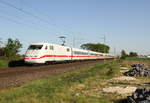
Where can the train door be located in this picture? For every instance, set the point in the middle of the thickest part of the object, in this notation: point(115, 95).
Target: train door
point(51, 53)
point(71, 54)
point(45, 53)
point(67, 53)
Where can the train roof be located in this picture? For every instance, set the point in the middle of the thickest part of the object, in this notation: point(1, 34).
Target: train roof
point(39, 43)
point(44, 43)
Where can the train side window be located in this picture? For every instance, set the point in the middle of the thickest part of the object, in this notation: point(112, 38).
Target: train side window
point(51, 48)
point(46, 48)
point(68, 49)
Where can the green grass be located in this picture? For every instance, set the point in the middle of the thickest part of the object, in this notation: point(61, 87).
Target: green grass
point(138, 59)
point(3, 63)
point(73, 87)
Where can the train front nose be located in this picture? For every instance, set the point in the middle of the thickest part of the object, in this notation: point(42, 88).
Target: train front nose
point(33, 59)
point(31, 56)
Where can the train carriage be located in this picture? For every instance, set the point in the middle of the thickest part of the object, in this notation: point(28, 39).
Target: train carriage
point(47, 52)
point(79, 54)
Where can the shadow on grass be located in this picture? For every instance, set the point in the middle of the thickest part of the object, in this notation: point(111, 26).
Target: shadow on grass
point(16, 63)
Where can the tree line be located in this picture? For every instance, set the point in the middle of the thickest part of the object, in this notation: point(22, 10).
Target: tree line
point(131, 54)
point(97, 47)
point(10, 49)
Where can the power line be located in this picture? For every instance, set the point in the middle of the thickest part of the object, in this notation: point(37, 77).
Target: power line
point(31, 14)
point(35, 9)
point(26, 23)
point(26, 12)
point(20, 23)
point(35, 16)
point(29, 6)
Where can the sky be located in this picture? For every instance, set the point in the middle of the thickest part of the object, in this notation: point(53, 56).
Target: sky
point(125, 23)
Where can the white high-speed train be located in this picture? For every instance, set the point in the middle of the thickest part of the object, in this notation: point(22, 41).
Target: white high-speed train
point(46, 52)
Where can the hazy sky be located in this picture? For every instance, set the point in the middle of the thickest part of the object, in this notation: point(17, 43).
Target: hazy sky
point(126, 23)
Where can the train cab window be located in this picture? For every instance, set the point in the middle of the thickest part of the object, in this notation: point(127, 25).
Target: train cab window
point(68, 49)
point(35, 47)
point(46, 48)
point(51, 48)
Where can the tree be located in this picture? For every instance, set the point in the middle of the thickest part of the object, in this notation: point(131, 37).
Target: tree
point(1, 42)
point(133, 54)
point(123, 54)
point(96, 47)
point(2, 49)
point(12, 48)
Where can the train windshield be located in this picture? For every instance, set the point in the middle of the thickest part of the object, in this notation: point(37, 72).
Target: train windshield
point(35, 47)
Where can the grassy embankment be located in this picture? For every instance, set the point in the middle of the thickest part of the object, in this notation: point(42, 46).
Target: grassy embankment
point(80, 86)
point(16, 61)
point(138, 59)
point(128, 61)
point(3, 62)
point(141, 81)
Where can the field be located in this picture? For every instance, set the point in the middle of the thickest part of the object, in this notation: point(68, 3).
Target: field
point(75, 87)
point(3, 63)
point(138, 59)
point(81, 86)
point(128, 61)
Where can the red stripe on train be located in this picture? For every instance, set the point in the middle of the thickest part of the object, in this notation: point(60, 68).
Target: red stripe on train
point(60, 56)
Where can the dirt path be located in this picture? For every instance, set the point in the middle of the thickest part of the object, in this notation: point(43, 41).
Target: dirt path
point(13, 77)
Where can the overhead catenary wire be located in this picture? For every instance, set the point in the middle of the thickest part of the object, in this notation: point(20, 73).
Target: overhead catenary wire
point(27, 13)
point(35, 16)
point(47, 16)
point(38, 11)
point(51, 19)
point(20, 23)
point(31, 23)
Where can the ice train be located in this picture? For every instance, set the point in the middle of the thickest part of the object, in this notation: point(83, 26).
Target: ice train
point(38, 53)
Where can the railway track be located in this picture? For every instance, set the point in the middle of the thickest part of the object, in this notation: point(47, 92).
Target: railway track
point(17, 76)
